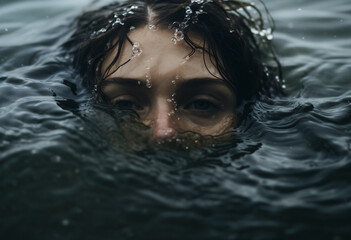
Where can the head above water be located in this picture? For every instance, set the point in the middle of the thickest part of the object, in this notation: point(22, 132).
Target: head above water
point(180, 65)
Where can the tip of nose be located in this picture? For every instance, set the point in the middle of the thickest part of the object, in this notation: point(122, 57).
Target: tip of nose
point(164, 133)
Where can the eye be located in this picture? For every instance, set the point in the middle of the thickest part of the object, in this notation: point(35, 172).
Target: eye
point(127, 103)
point(202, 105)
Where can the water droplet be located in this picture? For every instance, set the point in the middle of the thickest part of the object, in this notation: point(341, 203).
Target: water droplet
point(65, 222)
point(136, 50)
point(187, 58)
point(269, 37)
point(148, 83)
point(174, 40)
point(131, 28)
point(173, 82)
point(57, 159)
point(188, 10)
point(152, 27)
point(118, 21)
point(171, 113)
point(139, 82)
point(283, 86)
point(169, 100)
point(167, 132)
point(102, 30)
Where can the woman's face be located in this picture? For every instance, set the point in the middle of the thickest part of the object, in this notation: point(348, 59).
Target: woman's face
point(171, 93)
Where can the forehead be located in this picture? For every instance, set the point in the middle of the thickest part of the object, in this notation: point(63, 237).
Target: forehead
point(161, 54)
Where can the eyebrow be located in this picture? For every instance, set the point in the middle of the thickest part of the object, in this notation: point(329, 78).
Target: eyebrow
point(188, 83)
point(122, 81)
point(196, 82)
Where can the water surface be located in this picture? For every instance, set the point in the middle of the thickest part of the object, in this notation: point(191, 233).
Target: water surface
point(66, 172)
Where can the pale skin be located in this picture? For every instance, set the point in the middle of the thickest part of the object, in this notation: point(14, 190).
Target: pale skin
point(170, 92)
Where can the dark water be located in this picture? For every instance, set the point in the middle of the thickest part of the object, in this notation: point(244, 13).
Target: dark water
point(68, 170)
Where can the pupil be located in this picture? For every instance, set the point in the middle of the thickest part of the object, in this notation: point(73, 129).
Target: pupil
point(124, 104)
point(202, 104)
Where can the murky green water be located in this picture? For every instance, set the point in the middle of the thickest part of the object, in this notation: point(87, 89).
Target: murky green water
point(285, 173)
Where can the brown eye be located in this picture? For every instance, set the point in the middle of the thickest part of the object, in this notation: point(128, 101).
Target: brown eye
point(124, 104)
point(201, 105)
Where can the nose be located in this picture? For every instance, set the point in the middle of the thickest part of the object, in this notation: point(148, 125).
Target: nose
point(163, 125)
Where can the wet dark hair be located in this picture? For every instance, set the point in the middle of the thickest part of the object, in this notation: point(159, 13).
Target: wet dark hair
point(233, 33)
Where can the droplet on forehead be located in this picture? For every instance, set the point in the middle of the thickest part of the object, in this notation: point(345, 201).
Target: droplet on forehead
point(147, 75)
point(148, 83)
point(174, 40)
point(178, 36)
point(152, 27)
point(171, 113)
point(136, 50)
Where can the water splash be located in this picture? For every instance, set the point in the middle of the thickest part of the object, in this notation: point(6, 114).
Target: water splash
point(148, 81)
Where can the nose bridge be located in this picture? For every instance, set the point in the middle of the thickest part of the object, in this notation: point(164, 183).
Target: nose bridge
point(163, 126)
